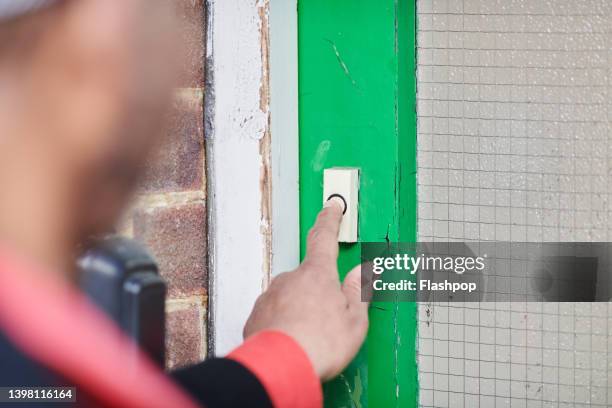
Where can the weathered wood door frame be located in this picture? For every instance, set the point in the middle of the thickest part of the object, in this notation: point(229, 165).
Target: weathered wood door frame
point(357, 107)
point(252, 156)
point(354, 62)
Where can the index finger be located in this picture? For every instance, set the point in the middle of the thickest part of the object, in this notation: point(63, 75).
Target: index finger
point(322, 242)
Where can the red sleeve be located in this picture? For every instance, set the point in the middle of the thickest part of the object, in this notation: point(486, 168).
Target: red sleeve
point(283, 368)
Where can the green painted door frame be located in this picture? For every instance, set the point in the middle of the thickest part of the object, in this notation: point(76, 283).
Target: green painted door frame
point(357, 107)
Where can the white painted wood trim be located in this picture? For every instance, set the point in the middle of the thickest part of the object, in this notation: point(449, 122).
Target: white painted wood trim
point(285, 135)
point(237, 131)
point(252, 156)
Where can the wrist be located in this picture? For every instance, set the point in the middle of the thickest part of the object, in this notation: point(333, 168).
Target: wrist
point(283, 367)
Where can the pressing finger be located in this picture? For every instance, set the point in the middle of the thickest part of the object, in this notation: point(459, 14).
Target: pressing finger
point(322, 243)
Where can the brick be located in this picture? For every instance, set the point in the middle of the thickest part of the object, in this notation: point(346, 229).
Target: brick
point(183, 336)
point(192, 35)
point(176, 236)
point(178, 164)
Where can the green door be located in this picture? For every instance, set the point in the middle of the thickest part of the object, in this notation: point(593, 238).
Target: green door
point(357, 85)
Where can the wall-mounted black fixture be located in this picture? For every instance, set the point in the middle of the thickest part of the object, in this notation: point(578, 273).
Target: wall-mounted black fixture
point(122, 278)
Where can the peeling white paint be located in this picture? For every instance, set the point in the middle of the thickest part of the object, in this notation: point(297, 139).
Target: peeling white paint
point(235, 125)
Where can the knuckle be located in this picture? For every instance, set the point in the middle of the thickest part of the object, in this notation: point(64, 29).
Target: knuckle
point(313, 234)
point(353, 285)
point(323, 212)
point(315, 264)
point(312, 264)
point(307, 266)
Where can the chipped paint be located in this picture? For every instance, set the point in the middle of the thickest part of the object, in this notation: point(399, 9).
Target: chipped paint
point(371, 126)
point(237, 132)
point(341, 62)
point(265, 180)
point(318, 161)
point(357, 393)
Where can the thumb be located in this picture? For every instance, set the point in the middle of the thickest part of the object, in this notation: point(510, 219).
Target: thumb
point(351, 287)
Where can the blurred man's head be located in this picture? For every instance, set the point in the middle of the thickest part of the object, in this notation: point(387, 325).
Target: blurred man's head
point(83, 88)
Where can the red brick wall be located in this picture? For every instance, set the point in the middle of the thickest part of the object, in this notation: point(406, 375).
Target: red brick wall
point(169, 215)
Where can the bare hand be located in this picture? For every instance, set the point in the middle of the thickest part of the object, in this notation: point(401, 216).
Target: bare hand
point(327, 318)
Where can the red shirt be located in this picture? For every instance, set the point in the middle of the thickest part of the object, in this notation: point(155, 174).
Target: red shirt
point(55, 325)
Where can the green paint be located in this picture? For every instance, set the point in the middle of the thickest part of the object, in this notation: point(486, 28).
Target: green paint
point(357, 108)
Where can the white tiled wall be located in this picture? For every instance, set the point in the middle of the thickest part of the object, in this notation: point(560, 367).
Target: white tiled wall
point(514, 110)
